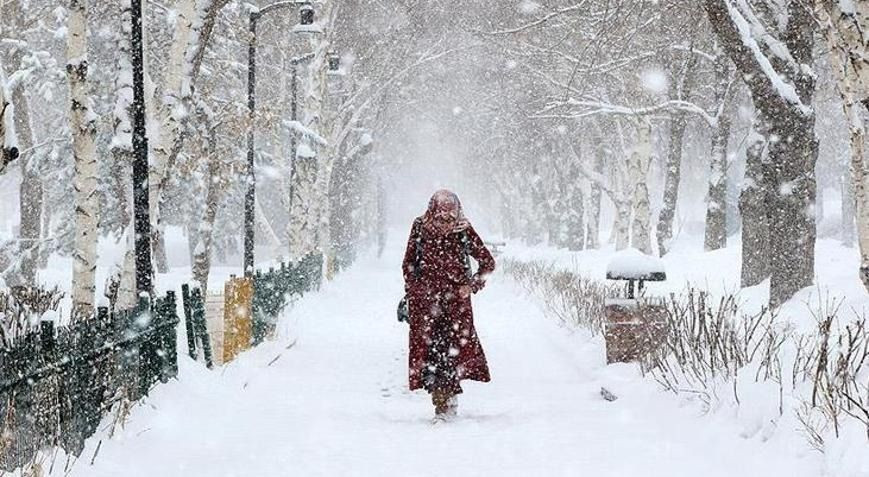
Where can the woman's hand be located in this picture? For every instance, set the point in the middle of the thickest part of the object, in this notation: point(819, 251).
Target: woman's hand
point(465, 291)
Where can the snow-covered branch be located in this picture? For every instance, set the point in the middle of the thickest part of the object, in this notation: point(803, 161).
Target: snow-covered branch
point(778, 84)
point(540, 21)
point(588, 108)
point(300, 129)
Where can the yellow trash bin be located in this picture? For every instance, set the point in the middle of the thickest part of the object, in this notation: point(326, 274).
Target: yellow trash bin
point(237, 317)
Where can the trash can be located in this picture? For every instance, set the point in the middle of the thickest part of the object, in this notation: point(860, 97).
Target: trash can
point(635, 324)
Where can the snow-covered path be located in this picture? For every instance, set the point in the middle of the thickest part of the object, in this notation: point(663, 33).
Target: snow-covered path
point(336, 403)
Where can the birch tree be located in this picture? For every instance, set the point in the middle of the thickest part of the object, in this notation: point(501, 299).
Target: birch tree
point(716, 199)
point(845, 26)
point(681, 85)
point(641, 159)
point(83, 127)
point(8, 149)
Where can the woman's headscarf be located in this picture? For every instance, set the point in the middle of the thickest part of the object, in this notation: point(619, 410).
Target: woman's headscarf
point(444, 214)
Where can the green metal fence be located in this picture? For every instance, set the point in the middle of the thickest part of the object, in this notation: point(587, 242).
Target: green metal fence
point(274, 289)
point(56, 382)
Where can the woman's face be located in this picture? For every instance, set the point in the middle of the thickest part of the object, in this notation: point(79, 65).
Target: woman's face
point(444, 220)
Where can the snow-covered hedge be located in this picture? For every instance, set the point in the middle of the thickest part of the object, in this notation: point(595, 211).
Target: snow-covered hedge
point(753, 363)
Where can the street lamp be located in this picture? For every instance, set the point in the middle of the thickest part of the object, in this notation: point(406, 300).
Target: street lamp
point(141, 204)
point(334, 61)
point(306, 19)
point(306, 14)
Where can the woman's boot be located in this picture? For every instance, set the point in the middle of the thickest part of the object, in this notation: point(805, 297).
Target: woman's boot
point(440, 399)
point(452, 407)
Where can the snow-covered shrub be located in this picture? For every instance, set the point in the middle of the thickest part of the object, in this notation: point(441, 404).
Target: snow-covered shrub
point(571, 298)
point(751, 362)
point(709, 344)
point(835, 362)
point(21, 308)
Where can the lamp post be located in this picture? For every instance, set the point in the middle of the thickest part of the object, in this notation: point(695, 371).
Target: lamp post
point(306, 18)
point(294, 117)
point(141, 206)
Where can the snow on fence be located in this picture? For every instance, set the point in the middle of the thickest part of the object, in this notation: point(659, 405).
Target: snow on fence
point(57, 382)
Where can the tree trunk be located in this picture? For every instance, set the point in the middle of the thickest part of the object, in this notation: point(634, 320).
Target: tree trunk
point(673, 168)
point(31, 189)
point(122, 140)
point(716, 208)
point(172, 114)
point(861, 190)
point(8, 149)
point(793, 147)
point(575, 226)
point(85, 182)
point(202, 251)
point(755, 228)
point(852, 78)
point(716, 197)
point(311, 175)
point(621, 226)
point(848, 231)
point(593, 239)
point(789, 206)
point(640, 160)
point(673, 176)
point(31, 209)
point(302, 224)
point(187, 62)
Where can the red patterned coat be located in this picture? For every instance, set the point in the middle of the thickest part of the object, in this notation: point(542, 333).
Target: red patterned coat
point(433, 293)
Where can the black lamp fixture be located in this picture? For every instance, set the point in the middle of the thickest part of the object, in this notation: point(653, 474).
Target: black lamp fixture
point(334, 60)
point(306, 14)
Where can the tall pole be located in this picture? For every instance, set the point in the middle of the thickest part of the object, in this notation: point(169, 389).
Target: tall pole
point(250, 197)
point(293, 117)
point(141, 219)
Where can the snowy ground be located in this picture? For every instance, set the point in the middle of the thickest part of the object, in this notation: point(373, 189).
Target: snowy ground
point(329, 397)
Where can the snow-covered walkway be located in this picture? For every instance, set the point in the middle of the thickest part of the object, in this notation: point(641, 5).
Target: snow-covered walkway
point(329, 397)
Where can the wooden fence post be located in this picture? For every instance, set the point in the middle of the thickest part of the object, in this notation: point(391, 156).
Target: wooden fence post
point(48, 416)
point(169, 353)
point(188, 321)
point(142, 345)
point(198, 302)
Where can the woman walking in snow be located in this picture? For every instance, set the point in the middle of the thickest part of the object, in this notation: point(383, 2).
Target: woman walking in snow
point(444, 348)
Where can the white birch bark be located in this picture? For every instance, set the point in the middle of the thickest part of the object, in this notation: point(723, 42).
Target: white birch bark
point(640, 160)
point(83, 127)
point(593, 236)
point(194, 25)
point(622, 224)
point(617, 191)
point(7, 138)
point(307, 210)
point(847, 37)
point(172, 113)
point(715, 236)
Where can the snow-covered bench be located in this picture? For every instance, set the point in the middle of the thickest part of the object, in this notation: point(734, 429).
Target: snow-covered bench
point(494, 247)
point(634, 324)
point(635, 267)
